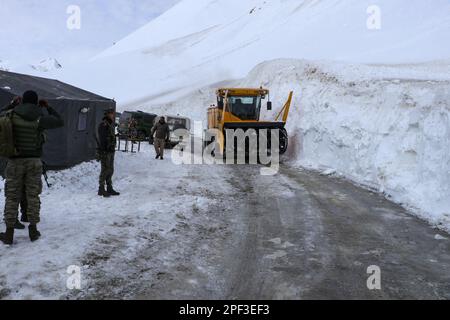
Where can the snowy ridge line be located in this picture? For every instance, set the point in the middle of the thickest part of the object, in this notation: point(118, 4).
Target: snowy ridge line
point(192, 45)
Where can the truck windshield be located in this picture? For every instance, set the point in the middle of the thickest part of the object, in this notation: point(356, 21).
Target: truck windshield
point(245, 108)
point(175, 124)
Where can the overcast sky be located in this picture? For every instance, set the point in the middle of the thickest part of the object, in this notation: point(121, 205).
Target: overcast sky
point(31, 30)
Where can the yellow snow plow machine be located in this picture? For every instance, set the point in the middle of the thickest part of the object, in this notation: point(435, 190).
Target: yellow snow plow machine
point(239, 109)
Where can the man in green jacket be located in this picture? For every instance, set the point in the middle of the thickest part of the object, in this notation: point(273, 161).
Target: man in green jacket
point(25, 170)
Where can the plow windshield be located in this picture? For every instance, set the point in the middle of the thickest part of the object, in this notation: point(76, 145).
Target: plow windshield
point(245, 108)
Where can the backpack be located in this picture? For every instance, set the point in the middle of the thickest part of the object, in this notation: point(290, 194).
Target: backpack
point(7, 147)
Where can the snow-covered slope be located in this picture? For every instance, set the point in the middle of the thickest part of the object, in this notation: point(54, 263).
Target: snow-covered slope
point(201, 42)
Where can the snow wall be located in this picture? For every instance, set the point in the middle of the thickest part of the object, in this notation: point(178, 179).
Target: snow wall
point(387, 128)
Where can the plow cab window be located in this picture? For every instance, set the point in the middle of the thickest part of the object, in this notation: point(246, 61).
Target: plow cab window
point(220, 103)
point(245, 108)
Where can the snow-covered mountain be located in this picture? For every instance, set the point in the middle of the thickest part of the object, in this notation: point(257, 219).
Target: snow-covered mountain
point(201, 42)
point(44, 68)
point(47, 65)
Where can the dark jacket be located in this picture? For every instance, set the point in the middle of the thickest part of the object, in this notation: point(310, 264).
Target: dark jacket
point(29, 122)
point(107, 136)
point(161, 131)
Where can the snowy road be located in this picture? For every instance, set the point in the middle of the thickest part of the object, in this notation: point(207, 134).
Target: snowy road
point(223, 232)
point(304, 236)
point(318, 236)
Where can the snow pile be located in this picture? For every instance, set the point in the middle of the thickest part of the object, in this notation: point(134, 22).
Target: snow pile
point(202, 42)
point(381, 127)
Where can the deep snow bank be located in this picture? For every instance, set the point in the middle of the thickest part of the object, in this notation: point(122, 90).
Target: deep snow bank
point(383, 127)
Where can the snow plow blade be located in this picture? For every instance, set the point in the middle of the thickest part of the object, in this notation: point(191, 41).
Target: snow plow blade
point(240, 109)
point(262, 128)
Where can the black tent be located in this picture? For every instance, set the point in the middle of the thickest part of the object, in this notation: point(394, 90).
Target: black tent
point(81, 110)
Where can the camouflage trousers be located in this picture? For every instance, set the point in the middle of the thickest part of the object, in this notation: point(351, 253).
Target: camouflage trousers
point(160, 145)
point(107, 172)
point(23, 176)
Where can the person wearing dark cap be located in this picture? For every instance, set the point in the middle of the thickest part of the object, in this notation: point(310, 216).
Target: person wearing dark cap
point(106, 151)
point(24, 170)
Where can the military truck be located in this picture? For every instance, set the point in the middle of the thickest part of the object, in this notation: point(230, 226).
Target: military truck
point(136, 124)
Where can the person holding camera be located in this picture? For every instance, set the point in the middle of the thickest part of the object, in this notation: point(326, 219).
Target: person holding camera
point(24, 170)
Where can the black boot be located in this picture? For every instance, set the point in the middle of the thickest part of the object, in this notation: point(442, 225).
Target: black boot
point(102, 192)
point(24, 217)
point(112, 192)
point(157, 156)
point(33, 232)
point(7, 237)
point(19, 226)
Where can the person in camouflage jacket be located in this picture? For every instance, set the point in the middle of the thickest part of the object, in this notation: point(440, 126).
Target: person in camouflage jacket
point(106, 153)
point(29, 121)
point(23, 200)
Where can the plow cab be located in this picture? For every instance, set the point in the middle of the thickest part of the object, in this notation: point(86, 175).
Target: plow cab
point(238, 110)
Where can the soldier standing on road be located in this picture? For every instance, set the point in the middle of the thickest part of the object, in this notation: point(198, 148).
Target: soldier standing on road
point(161, 132)
point(24, 171)
point(132, 130)
point(107, 150)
